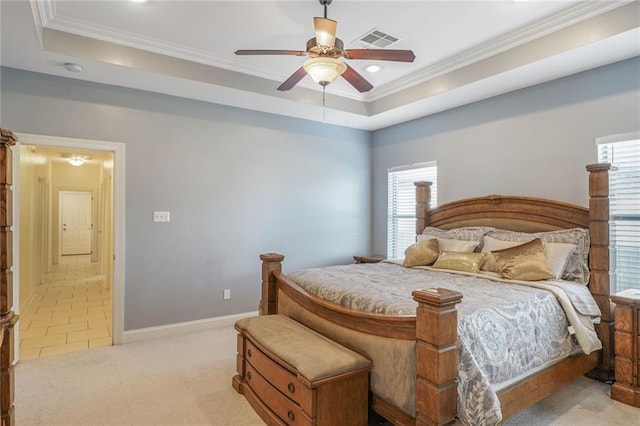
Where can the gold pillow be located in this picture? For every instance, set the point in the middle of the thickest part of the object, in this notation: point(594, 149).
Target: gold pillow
point(422, 253)
point(491, 244)
point(526, 262)
point(467, 262)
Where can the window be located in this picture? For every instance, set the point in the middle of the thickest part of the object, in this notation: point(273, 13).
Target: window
point(401, 206)
point(623, 152)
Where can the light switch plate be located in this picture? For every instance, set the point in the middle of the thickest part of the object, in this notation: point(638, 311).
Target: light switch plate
point(161, 217)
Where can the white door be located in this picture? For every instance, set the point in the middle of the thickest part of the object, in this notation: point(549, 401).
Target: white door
point(77, 228)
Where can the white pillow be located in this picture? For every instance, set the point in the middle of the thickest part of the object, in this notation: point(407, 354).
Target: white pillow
point(558, 256)
point(446, 244)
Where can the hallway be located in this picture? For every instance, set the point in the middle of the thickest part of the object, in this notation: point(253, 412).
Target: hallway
point(71, 311)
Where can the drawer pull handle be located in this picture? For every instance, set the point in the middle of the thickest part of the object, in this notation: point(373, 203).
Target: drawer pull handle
point(249, 353)
point(290, 415)
point(291, 388)
point(249, 375)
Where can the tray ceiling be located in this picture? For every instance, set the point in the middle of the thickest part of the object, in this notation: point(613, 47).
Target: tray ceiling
point(465, 50)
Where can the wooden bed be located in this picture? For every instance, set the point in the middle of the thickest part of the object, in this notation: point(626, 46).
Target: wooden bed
point(433, 328)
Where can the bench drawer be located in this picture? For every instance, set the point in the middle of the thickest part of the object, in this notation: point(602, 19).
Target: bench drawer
point(288, 411)
point(283, 380)
point(294, 376)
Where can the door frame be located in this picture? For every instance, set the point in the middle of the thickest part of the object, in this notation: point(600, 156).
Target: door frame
point(118, 150)
point(42, 209)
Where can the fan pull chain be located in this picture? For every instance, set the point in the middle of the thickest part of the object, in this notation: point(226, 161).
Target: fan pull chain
point(324, 103)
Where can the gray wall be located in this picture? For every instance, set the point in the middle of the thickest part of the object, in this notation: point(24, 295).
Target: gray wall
point(237, 183)
point(533, 142)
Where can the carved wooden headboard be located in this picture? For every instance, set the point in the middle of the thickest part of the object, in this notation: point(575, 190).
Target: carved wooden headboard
point(528, 214)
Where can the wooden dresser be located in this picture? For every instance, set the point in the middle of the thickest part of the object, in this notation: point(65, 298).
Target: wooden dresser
point(7, 318)
point(293, 376)
point(627, 347)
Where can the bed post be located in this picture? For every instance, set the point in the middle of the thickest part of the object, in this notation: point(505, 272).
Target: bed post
point(271, 262)
point(423, 198)
point(436, 355)
point(599, 282)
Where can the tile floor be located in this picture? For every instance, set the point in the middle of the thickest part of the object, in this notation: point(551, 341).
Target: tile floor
point(71, 311)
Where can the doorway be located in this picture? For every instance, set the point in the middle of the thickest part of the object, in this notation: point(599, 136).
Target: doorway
point(80, 238)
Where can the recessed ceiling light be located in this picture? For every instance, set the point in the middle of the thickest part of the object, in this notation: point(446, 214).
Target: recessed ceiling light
point(373, 68)
point(70, 66)
point(138, 1)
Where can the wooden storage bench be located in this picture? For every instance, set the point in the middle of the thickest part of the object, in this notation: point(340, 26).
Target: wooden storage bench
point(292, 375)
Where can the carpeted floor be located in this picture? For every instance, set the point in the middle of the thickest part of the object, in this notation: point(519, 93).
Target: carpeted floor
point(186, 380)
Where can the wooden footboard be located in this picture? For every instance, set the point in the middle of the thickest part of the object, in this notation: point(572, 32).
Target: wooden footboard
point(434, 327)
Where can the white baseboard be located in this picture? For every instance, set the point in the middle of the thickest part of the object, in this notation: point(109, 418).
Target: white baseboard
point(141, 334)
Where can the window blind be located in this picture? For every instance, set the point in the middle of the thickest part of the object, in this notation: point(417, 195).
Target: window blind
point(401, 205)
point(624, 210)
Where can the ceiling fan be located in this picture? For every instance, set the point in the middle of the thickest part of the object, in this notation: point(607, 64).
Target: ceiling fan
point(325, 51)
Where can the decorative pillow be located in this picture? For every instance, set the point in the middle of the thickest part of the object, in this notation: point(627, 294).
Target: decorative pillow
point(465, 233)
point(447, 244)
point(526, 262)
point(491, 244)
point(557, 254)
point(422, 253)
point(577, 267)
point(467, 262)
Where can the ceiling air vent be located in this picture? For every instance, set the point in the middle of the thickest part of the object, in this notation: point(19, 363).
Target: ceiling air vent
point(376, 38)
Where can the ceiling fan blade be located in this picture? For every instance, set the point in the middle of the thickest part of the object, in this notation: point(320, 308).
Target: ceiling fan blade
point(356, 80)
point(380, 54)
point(293, 80)
point(271, 52)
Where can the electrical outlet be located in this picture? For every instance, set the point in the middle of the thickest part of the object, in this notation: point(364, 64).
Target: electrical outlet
point(227, 294)
point(161, 216)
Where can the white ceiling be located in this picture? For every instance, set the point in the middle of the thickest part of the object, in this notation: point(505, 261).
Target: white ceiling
point(465, 50)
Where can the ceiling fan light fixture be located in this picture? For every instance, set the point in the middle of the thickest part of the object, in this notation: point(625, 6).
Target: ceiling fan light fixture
point(325, 31)
point(325, 50)
point(324, 70)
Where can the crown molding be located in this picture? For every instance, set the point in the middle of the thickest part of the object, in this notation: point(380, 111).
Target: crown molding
point(46, 9)
point(37, 14)
point(48, 18)
point(557, 22)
